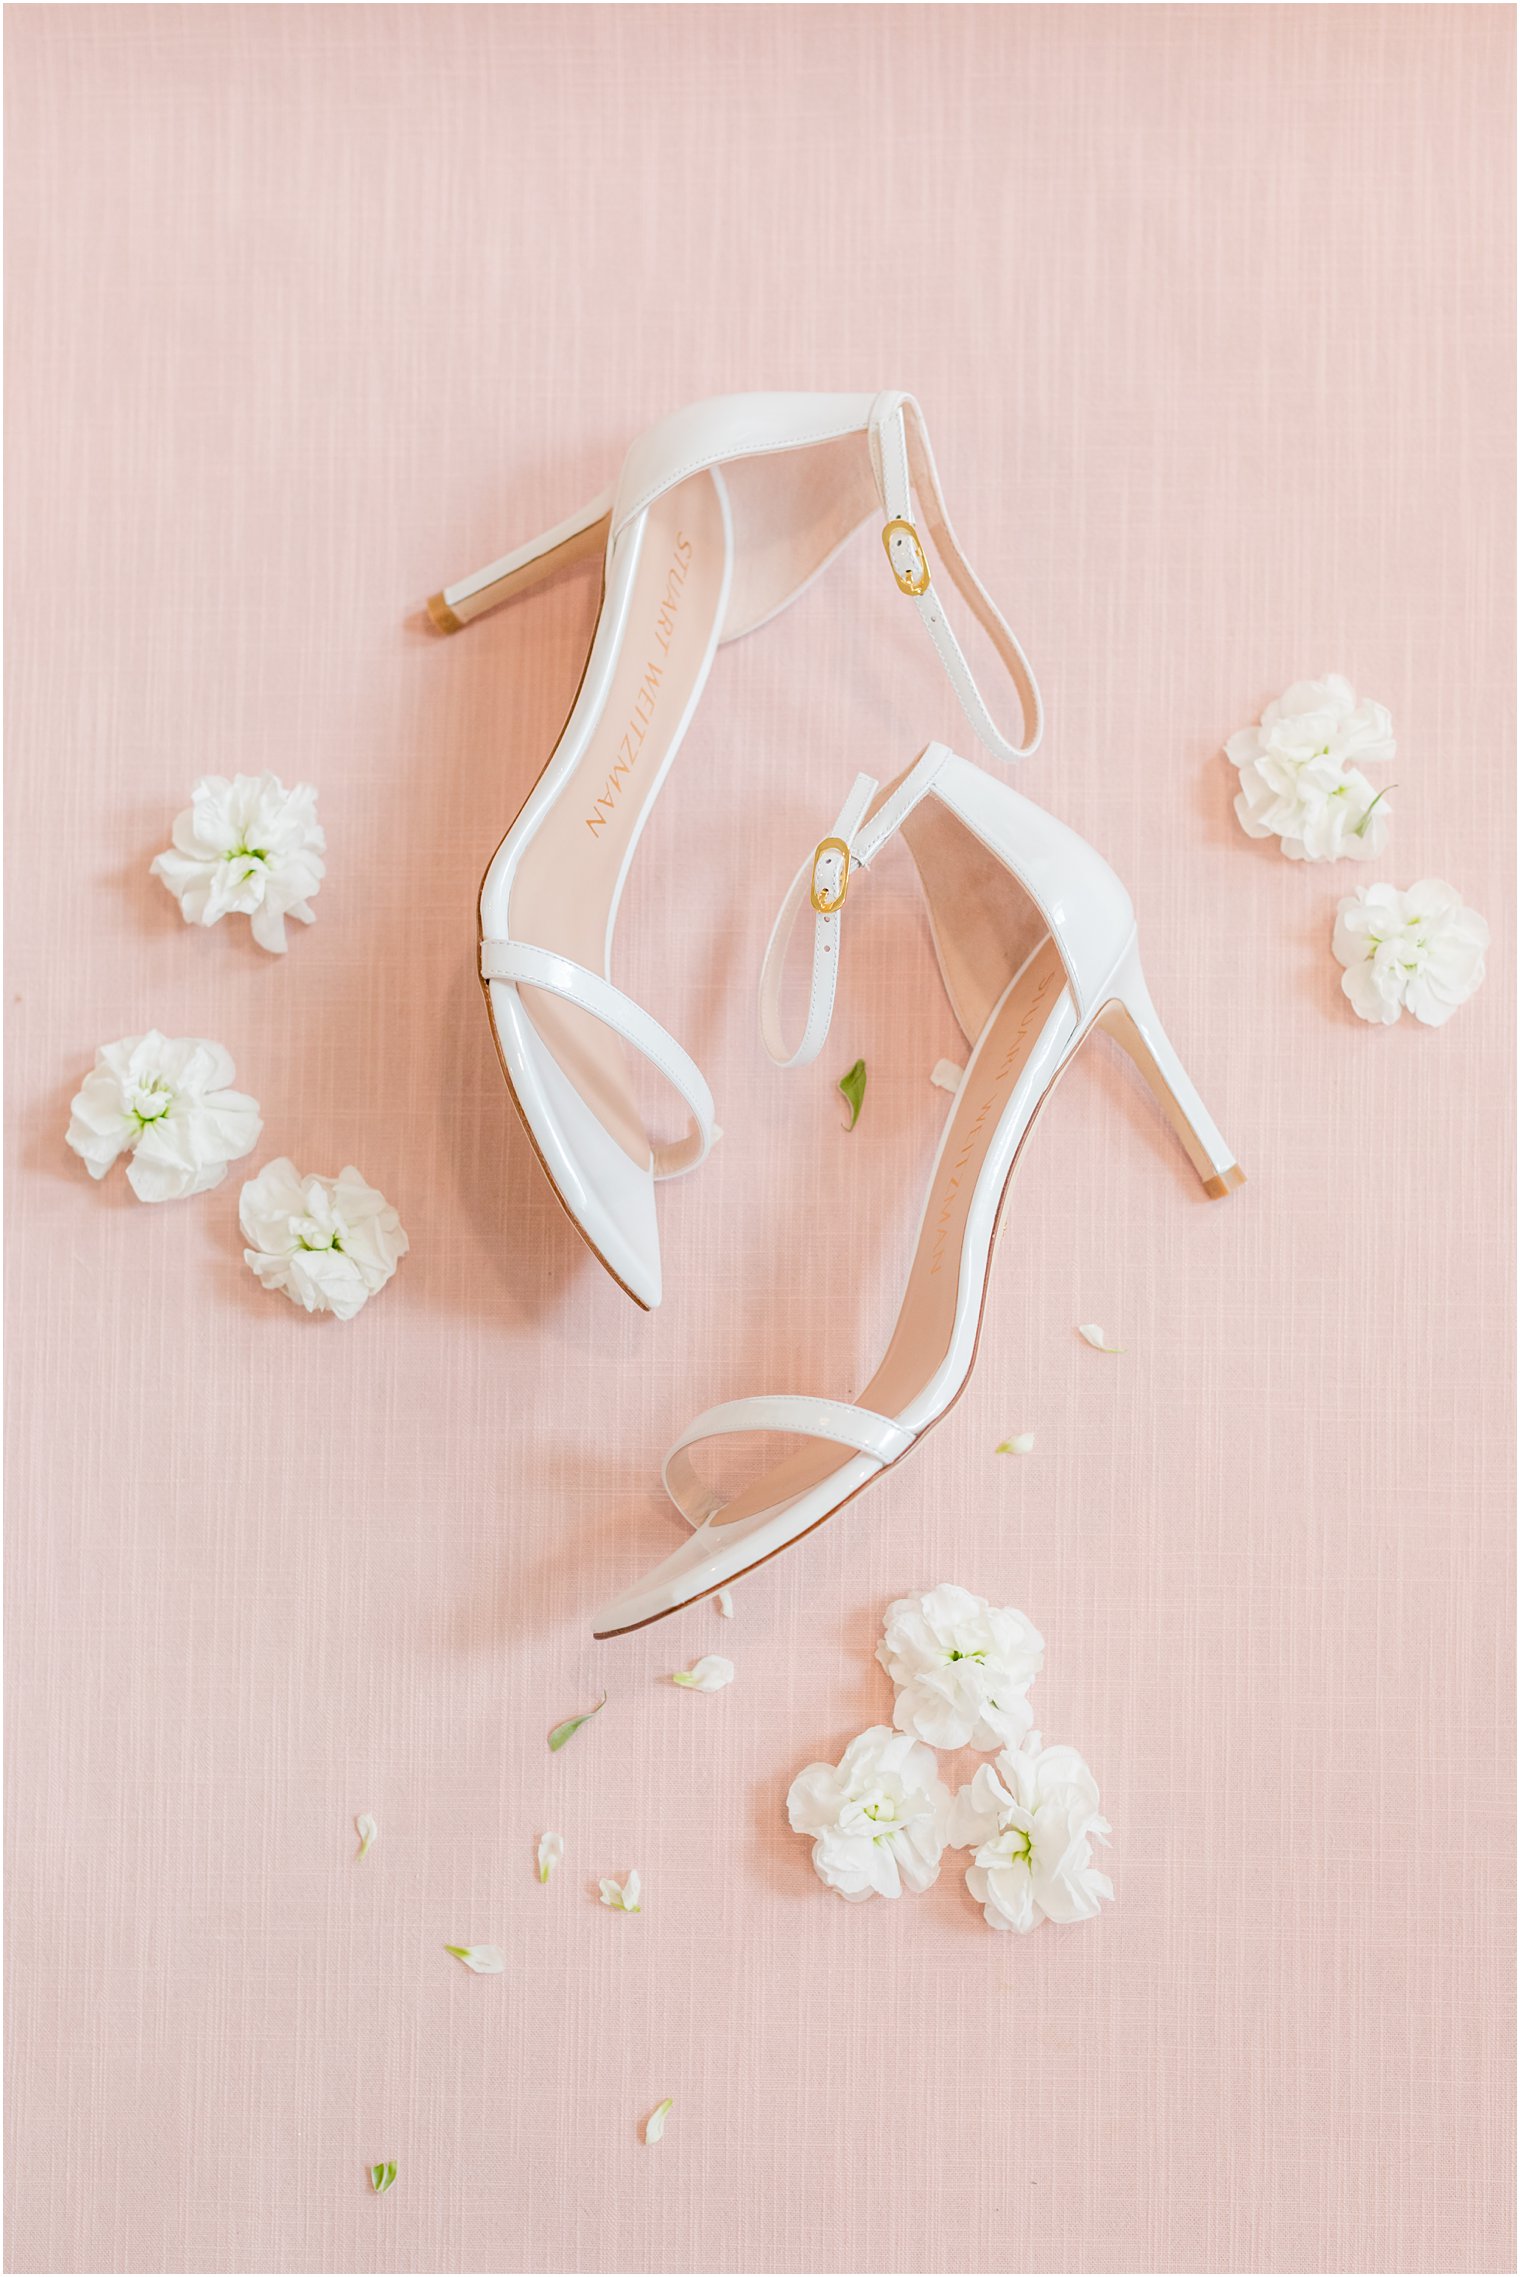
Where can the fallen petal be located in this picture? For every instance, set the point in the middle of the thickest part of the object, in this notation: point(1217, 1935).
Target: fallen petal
point(654, 2125)
point(381, 2177)
point(1021, 1444)
point(726, 1603)
point(485, 1960)
point(709, 1674)
point(367, 1830)
point(551, 1849)
point(947, 1075)
point(1092, 1334)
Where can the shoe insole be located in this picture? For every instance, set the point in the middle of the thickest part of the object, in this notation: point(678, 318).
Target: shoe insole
point(567, 882)
point(926, 1322)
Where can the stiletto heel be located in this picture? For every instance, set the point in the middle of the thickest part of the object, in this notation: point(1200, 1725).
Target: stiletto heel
point(578, 536)
point(720, 517)
point(1036, 943)
point(1131, 1019)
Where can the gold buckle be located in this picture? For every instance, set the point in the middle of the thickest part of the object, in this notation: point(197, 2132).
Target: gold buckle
point(825, 904)
point(916, 580)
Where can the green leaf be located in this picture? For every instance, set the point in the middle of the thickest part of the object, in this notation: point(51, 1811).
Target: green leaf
point(572, 1724)
point(381, 2177)
point(853, 1085)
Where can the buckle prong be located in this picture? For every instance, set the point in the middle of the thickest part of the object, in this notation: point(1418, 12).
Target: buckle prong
point(914, 580)
point(827, 904)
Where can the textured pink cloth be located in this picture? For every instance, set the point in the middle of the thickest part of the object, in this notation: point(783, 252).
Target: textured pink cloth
point(313, 309)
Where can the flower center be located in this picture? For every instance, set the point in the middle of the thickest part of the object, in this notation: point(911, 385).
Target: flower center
point(246, 854)
point(310, 1235)
point(151, 1101)
point(979, 1657)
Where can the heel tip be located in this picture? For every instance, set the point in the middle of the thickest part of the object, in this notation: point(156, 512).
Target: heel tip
point(1219, 1189)
point(444, 619)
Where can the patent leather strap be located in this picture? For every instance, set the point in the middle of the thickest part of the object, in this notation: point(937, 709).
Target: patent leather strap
point(858, 1428)
point(528, 967)
point(823, 882)
point(904, 467)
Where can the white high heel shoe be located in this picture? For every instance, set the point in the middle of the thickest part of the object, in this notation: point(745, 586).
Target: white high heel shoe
point(722, 514)
point(1036, 944)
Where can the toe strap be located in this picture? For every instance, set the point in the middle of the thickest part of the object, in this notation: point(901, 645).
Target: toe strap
point(520, 962)
point(859, 1428)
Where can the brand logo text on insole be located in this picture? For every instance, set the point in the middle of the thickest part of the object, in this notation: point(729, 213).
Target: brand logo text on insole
point(647, 696)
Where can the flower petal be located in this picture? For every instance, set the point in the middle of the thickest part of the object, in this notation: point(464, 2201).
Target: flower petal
point(654, 2125)
point(483, 1960)
point(366, 1830)
point(709, 1674)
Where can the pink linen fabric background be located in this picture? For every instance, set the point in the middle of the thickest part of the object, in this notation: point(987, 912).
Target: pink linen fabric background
point(314, 309)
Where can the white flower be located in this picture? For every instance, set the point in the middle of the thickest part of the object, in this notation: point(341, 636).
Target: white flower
point(1032, 1819)
point(329, 1243)
point(1420, 951)
point(625, 1896)
point(166, 1102)
point(962, 1668)
point(1297, 777)
point(248, 847)
point(709, 1674)
point(877, 1818)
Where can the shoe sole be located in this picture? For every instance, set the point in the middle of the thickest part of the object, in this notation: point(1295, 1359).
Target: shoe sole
point(485, 986)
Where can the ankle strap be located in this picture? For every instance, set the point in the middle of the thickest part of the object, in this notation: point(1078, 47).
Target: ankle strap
point(823, 882)
point(904, 464)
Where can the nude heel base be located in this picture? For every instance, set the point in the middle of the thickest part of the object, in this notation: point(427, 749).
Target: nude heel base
point(1131, 1019)
point(443, 617)
point(576, 538)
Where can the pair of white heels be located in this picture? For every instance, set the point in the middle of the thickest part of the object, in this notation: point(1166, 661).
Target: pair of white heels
point(722, 514)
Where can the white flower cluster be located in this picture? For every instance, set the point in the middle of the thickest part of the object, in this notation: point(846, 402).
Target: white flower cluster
point(1299, 781)
point(1419, 950)
point(246, 846)
point(881, 1818)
